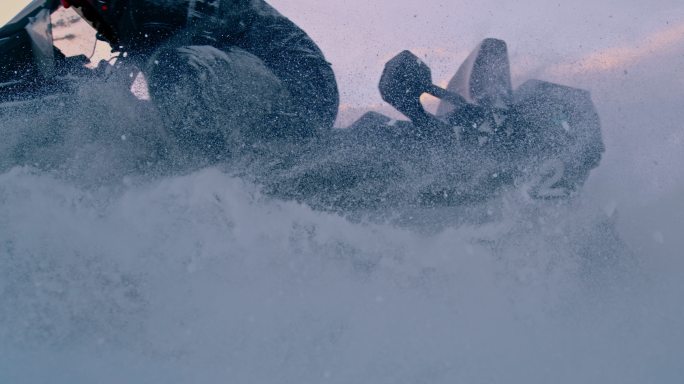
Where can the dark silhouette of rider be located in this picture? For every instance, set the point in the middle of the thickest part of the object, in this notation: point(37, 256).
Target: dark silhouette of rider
point(222, 72)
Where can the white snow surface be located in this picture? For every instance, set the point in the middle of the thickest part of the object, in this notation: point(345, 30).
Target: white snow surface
point(200, 279)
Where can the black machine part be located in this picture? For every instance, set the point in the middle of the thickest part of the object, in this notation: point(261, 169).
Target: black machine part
point(26, 51)
point(405, 79)
point(536, 123)
point(30, 65)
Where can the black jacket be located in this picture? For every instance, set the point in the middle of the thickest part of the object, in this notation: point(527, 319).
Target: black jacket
point(256, 27)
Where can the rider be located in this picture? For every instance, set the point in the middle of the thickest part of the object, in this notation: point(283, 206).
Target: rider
point(214, 64)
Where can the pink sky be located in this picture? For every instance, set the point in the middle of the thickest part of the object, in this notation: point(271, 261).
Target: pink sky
point(548, 37)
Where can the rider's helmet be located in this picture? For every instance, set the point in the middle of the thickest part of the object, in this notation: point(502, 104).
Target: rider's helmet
point(137, 24)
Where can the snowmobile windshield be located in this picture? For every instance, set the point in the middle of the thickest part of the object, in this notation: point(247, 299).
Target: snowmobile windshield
point(13, 11)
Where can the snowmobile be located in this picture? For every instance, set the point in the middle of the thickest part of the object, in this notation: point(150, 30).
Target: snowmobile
point(485, 137)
